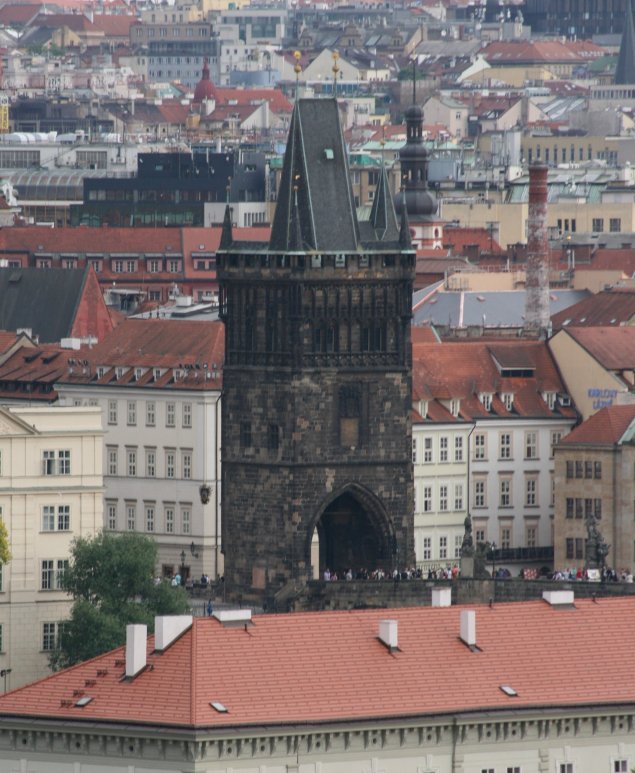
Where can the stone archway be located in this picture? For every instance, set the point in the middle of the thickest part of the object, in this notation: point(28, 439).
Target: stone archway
point(352, 531)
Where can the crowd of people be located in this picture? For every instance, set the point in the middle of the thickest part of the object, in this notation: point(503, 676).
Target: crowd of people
point(606, 574)
point(410, 573)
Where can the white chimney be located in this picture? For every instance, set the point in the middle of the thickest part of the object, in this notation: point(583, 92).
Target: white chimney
point(136, 636)
point(388, 633)
point(168, 628)
point(468, 627)
point(442, 597)
point(233, 616)
point(558, 597)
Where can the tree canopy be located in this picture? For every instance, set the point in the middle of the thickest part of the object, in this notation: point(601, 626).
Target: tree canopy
point(5, 552)
point(111, 579)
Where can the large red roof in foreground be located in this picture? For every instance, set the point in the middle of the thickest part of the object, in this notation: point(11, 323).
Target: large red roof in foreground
point(330, 666)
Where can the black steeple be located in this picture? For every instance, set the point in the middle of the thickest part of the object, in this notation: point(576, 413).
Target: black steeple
point(413, 157)
point(315, 163)
point(226, 236)
point(625, 70)
point(382, 214)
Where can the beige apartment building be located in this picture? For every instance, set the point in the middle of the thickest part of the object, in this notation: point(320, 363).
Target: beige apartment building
point(594, 478)
point(50, 492)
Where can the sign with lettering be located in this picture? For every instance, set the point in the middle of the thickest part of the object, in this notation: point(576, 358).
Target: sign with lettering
point(602, 398)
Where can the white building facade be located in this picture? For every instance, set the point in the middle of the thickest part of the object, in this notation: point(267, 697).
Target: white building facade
point(51, 491)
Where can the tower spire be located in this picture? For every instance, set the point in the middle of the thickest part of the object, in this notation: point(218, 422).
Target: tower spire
point(226, 236)
point(625, 70)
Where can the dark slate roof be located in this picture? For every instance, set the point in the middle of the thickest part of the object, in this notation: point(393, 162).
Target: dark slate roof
point(625, 70)
point(315, 167)
point(44, 300)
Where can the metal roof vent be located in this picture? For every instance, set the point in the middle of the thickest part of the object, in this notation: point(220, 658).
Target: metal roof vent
point(388, 634)
point(563, 599)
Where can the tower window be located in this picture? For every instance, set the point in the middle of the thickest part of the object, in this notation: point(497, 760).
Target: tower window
point(245, 434)
point(273, 437)
point(350, 412)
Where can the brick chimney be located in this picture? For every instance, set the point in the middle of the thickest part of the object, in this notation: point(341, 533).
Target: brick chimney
point(537, 313)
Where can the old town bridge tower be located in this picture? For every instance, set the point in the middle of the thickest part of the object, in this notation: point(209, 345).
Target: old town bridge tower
point(316, 434)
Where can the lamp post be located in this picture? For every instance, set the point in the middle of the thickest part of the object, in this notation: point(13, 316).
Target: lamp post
point(4, 673)
point(493, 549)
point(182, 567)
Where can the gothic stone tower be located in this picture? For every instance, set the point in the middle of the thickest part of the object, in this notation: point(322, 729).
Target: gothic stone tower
point(316, 438)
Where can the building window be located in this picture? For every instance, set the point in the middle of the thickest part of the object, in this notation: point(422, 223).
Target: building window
point(566, 767)
point(132, 413)
point(56, 462)
point(170, 414)
point(505, 492)
point(112, 456)
point(458, 496)
point(151, 463)
point(555, 439)
point(597, 508)
point(56, 518)
point(427, 499)
point(486, 400)
point(49, 636)
point(111, 515)
point(479, 446)
point(169, 520)
point(615, 224)
point(427, 450)
point(149, 517)
point(569, 469)
point(443, 498)
point(150, 413)
point(131, 516)
point(506, 537)
point(620, 766)
point(588, 469)
point(187, 415)
point(443, 547)
point(112, 411)
point(597, 470)
point(579, 507)
point(186, 465)
point(479, 493)
point(131, 462)
point(245, 434)
point(185, 520)
point(170, 464)
point(588, 507)
point(443, 449)
point(505, 445)
point(569, 507)
point(427, 548)
point(273, 437)
point(531, 487)
point(53, 574)
point(531, 536)
point(597, 224)
point(508, 401)
point(531, 445)
point(458, 542)
point(458, 449)
point(579, 469)
point(414, 450)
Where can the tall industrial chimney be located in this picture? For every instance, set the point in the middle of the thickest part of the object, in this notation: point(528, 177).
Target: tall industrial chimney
point(537, 266)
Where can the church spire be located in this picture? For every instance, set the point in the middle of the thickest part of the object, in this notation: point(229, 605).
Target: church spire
point(382, 214)
point(625, 70)
point(226, 236)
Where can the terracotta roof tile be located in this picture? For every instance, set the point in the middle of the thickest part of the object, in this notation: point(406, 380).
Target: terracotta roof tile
point(612, 347)
point(606, 427)
point(330, 666)
point(609, 307)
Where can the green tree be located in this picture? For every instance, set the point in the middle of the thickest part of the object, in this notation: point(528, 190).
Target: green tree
point(5, 551)
point(111, 579)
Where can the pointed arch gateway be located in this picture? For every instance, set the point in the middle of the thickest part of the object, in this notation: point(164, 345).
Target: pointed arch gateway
point(351, 530)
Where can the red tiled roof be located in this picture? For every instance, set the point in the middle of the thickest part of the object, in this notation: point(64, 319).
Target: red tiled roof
point(461, 370)
point(606, 427)
point(330, 666)
point(196, 348)
point(612, 347)
point(18, 14)
point(115, 24)
point(609, 307)
point(460, 239)
point(276, 99)
point(7, 339)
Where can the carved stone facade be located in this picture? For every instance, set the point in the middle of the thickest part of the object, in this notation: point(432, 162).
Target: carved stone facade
point(317, 378)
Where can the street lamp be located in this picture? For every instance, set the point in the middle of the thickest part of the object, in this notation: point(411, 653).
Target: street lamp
point(182, 567)
point(493, 549)
point(4, 673)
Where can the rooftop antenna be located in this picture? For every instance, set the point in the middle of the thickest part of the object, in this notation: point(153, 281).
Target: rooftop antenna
point(336, 70)
point(297, 69)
